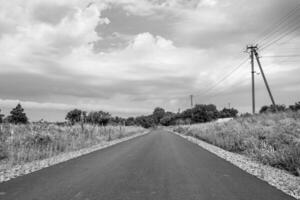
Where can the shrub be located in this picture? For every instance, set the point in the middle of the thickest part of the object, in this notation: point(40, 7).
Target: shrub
point(17, 115)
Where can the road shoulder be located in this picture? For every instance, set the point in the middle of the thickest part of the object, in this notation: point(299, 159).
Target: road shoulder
point(20, 170)
point(280, 179)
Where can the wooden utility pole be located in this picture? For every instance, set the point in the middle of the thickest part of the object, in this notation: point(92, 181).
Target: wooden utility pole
point(252, 48)
point(265, 79)
point(192, 103)
point(254, 53)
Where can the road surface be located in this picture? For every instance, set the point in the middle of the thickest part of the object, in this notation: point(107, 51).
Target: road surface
point(158, 166)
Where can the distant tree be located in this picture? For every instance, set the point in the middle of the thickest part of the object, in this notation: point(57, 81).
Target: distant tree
point(74, 116)
point(145, 121)
point(204, 113)
point(99, 117)
point(228, 112)
point(272, 108)
point(17, 115)
point(295, 107)
point(158, 114)
point(246, 114)
point(130, 121)
point(186, 114)
point(116, 120)
point(1, 117)
point(168, 119)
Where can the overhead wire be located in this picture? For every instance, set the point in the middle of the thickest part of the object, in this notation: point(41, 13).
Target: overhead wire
point(225, 77)
point(285, 26)
point(279, 38)
point(275, 27)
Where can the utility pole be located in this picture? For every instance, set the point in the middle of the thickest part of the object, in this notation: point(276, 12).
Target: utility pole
point(192, 103)
point(254, 53)
point(265, 79)
point(252, 49)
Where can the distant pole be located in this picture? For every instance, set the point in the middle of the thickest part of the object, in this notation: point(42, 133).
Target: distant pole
point(192, 103)
point(229, 105)
point(264, 77)
point(252, 48)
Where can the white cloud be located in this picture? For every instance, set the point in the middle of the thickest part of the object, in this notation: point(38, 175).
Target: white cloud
point(53, 41)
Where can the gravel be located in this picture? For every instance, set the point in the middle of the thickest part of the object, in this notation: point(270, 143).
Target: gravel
point(27, 168)
point(280, 179)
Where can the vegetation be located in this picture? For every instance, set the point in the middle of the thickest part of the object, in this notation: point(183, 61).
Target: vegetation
point(17, 116)
point(280, 108)
point(74, 116)
point(25, 143)
point(271, 138)
point(1, 117)
point(198, 114)
point(99, 118)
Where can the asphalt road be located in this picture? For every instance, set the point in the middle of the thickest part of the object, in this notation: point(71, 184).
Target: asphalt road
point(157, 166)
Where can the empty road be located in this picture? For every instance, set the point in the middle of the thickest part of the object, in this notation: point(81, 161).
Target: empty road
point(158, 166)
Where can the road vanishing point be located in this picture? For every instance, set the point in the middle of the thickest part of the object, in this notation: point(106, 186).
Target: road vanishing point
point(157, 166)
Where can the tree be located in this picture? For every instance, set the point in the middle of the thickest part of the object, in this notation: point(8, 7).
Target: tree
point(228, 112)
point(145, 121)
point(204, 113)
point(186, 114)
point(74, 116)
point(1, 117)
point(100, 118)
point(295, 107)
point(130, 121)
point(17, 115)
point(168, 119)
point(116, 121)
point(158, 114)
point(272, 108)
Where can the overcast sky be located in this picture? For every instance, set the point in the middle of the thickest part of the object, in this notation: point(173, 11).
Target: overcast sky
point(129, 56)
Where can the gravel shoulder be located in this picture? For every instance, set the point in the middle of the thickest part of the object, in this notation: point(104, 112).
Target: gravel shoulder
point(19, 170)
point(280, 179)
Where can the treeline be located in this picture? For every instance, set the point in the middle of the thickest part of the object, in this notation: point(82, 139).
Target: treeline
point(197, 114)
point(17, 116)
point(280, 108)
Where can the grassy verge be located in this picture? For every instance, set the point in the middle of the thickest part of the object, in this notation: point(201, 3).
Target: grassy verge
point(26, 143)
point(273, 139)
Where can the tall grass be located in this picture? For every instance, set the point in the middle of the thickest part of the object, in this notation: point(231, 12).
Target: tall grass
point(25, 143)
point(273, 139)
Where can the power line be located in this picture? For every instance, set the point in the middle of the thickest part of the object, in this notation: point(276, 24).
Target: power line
point(225, 77)
point(279, 38)
point(281, 56)
point(271, 30)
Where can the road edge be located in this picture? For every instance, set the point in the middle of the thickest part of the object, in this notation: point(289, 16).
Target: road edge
point(20, 170)
point(277, 178)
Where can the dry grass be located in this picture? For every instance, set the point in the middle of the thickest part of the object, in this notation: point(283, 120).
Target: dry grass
point(25, 143)
point(273, 139)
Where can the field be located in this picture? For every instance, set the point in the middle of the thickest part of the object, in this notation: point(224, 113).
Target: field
point(21, 144)
point(273, 139)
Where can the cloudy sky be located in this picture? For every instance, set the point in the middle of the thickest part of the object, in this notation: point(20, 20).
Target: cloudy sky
point(129, 56)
